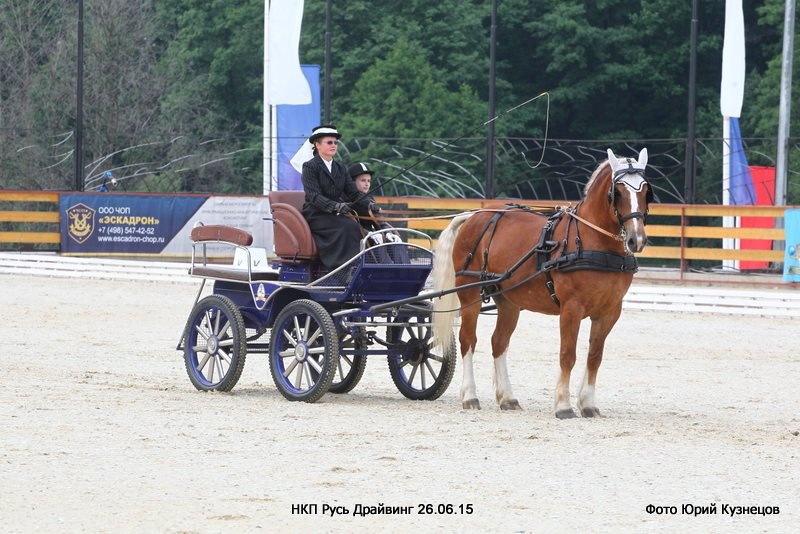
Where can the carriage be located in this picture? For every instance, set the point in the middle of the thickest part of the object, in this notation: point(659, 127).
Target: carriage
point(316, 327)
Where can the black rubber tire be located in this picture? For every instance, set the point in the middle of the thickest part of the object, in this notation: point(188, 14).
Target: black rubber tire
point(420, 358)
point(215, 342)
point(293, 360)
point(350, 369)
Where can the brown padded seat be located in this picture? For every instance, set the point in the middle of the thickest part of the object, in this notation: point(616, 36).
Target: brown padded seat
point(292, 236)
point(219, 232)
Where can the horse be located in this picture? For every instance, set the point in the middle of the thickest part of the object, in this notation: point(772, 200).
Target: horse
point(576, 263)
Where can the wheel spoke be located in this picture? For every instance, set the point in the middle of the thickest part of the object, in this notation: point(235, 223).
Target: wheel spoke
point(346, 358)
point(316, 350)
point(287, 353)
point(422, 375)
point(314, 336)
point(208, 320)
point(202, 363)
point(211, 370)
point(315, 364)
point(436, 357)
point(431, 371)
point(298, 380)
point(216, 321)
point(411, 332)
point(289, 338)
point(404, 363)
point(224, 356)
point(228, 342)
point(223, 331)
point(290, 368)
point(307, 371)
point(413, 372)
point(298, 332)
point(218, 361)
point(202, 332)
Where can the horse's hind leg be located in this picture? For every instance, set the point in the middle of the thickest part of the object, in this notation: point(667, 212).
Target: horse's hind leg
point(507, 317)
point(468, 338)
point(601, 327)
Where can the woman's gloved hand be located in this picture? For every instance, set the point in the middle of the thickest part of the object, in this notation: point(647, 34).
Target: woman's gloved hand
point(342, 208)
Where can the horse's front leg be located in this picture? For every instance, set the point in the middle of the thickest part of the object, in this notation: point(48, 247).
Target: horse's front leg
point(601, 327)
point(507, 317)
point(570, 323)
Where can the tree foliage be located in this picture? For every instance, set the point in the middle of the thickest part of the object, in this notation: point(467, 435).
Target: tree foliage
point(177, 84)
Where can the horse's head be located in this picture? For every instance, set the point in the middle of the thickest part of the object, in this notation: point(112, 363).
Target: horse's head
point(629, 195)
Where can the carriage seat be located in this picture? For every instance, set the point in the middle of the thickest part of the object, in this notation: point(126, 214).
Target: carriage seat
point(219, 232)
point(292, 235)
point(225, 235)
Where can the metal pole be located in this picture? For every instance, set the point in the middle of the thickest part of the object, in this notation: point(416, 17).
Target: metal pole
point(266, 114)
point(326, 100)
point(785, 106)
point(79, 106)
point(690, 171)
point(490, 140)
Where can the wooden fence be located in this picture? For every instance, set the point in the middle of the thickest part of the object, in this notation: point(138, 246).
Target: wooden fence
point(29, 219)
point(678, 233)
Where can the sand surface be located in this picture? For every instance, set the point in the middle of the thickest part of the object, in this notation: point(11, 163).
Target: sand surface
point(103, 432)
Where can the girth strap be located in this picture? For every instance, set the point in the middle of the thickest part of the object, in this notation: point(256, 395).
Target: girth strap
point(593, 260)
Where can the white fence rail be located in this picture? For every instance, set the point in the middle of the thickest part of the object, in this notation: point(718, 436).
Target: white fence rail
point(643, 295)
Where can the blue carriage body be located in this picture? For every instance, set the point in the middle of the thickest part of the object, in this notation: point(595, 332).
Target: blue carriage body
point(315, 319)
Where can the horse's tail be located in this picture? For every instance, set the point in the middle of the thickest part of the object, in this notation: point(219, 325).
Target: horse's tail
point(444, 277)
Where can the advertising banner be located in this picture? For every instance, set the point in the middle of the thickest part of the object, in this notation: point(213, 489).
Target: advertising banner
point(107, 223)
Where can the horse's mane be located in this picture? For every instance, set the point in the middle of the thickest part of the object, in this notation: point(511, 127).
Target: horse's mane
point(594, 177)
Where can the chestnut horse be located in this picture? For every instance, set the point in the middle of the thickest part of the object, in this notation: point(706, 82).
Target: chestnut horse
point(577, 263)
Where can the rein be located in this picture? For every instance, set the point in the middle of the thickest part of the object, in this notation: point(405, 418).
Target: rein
point(619, 237)
point(533, 209)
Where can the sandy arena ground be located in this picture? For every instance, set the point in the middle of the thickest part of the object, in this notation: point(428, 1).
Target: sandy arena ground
point(103, 432)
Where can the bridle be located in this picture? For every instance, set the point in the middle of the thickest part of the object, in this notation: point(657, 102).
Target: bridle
point(619, 178)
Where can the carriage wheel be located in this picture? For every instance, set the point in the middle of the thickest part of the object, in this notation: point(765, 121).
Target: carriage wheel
point(351, 367)
point(422, 370)
point(303, 351)
point(215, 344)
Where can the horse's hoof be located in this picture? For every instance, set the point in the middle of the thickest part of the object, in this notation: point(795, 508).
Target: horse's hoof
point(566, 413)
point(590, 412)
point(471, 404)
point(511, 405)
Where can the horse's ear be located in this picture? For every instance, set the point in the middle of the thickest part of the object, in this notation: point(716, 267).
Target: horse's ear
point(643, 157)
point(612, 160)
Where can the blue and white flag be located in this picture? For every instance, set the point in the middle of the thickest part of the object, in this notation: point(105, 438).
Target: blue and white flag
point(285, 81)
point(742, 191)
point(733, 66)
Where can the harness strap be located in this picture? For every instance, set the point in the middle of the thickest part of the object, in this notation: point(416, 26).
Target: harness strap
point(551, 288)
point(490, 222)
point(593, 260)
